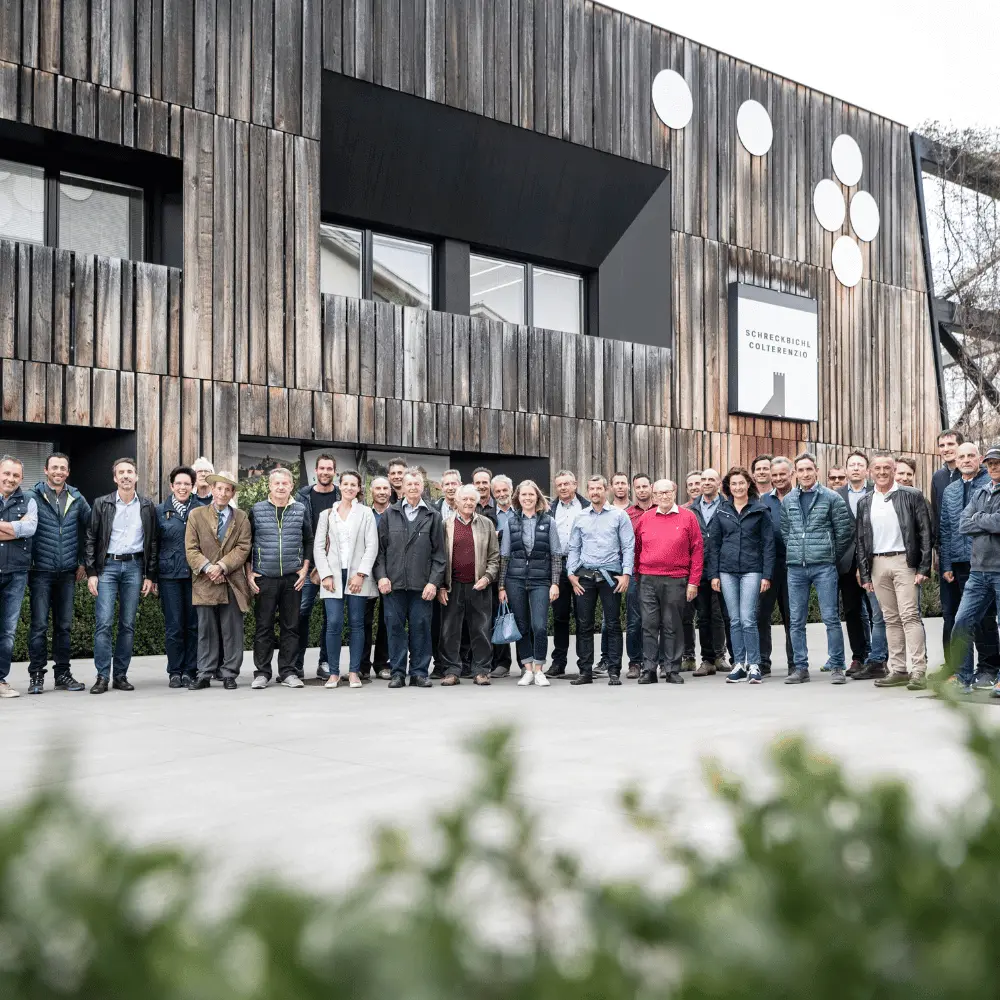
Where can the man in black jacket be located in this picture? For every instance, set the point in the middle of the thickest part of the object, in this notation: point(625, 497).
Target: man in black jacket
point(409, 569)
point(948, 443)
point(121, 559)
point(894, 544)
point(713, 617)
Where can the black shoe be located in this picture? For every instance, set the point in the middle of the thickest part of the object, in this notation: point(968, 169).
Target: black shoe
point(397, 681)
point(187, 679)
point(436, 674)
point(497, 672)
point(100, 686)
point(871, 671)
point(673, 677)
point(122, 684)
point(421, 682)
point(648, 677)
point(229, 683)
point(587, 678)
point(614, 680)
point(175, 681)
point(601, 669)
point(200, 684)
point(67, 682)
point(366, 678)
point(322, 671)
point(765, 671)
point(556, 670)
point(36, 683)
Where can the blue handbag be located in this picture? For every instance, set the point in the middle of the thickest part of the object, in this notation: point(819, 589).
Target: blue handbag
point(505, 628)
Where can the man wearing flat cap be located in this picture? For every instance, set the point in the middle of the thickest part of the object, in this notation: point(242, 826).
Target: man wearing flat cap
point(218, 542)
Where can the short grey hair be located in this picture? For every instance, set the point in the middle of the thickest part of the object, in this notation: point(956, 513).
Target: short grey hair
point(202, 464)
point(281, 471)
point(412, 470)
point(12, 458)
point(597, 478)
point(502, 479)
point(380, 479)
point(565, 472)
point(783, 460)
point(467, 490)
point(451, 472)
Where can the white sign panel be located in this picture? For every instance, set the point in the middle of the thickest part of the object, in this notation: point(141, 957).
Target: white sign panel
point(773, 354)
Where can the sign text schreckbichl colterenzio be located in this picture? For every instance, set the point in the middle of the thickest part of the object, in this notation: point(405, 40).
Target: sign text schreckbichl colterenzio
point(772, 343)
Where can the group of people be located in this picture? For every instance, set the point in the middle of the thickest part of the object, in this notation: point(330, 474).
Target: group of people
point(435, 573)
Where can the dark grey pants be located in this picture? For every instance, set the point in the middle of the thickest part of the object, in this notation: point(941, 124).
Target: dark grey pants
point(662, 600)
point(469, 607)
point(220, 630)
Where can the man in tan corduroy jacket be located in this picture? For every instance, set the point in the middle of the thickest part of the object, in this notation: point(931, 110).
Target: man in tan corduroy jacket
point(218, 542)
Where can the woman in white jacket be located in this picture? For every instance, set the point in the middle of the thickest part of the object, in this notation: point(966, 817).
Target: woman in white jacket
point(345, 549)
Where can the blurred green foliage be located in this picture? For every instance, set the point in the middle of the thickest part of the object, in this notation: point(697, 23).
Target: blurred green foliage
point(831, 891)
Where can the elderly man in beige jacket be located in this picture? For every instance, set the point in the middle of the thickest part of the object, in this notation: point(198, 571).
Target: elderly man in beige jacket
point(472, 564)
point(218, 540)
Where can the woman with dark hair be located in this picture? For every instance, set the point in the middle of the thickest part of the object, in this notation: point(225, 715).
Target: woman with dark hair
point(530, 567)
point(740, 562)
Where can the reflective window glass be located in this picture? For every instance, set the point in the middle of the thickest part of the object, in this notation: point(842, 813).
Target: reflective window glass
point(22, 202)
point(340, 260)
point(496, 289)
point(402, 271)
point(101, 218)
point(557, 300)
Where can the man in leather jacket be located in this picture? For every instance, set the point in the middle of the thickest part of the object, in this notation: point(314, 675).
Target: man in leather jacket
point(894, 542)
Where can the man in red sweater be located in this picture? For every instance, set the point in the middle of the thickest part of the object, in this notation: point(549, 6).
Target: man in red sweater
point(669, 554)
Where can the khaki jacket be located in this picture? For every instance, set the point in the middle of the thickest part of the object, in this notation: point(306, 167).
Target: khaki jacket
point(484, 539)
point(234, 550)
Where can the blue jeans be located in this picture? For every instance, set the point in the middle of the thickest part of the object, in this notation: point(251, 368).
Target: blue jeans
point(871, 611)
point(822, 576)
point(333, 637)
point(11, 595)
point(633, 622)
point(180, 625)
point(980, 590)
point(402, 607)
point(121, 582)
point(741, 592)
point(310, 591)
point(530, 604)
point(50, 591)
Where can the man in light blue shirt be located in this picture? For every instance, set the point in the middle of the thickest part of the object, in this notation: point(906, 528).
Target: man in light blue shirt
point(599, 565)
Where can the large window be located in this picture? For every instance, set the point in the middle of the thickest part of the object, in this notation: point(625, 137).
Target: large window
point(369, 265)
point(71, 211)
point(523, 293)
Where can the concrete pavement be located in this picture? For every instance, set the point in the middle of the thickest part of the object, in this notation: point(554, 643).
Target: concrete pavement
point(294, 780)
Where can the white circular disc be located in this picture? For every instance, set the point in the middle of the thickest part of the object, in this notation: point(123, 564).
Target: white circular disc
point(672, 99)
point(828, 204)
point(847, 160)
point(29, 192)
point(847, 264)
point(76, 193)
point(753, 125)
point(864, 216)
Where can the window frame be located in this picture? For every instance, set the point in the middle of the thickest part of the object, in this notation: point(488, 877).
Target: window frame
point(89, 173)
point(529, 285)
point(367, 263)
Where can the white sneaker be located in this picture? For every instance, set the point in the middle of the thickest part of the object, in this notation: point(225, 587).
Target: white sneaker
point(292, 681)
point(541, 680)
point(527, 678)
point(331, 683)
point(6, 691)
point(259, 683)
point(755, 674)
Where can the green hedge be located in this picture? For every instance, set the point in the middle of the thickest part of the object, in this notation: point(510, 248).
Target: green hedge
point(829, 890)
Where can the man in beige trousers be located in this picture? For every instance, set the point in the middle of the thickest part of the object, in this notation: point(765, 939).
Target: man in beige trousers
point(894, 542)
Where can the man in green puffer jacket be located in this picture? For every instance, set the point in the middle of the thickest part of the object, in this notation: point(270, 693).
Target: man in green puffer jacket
point(817, 530)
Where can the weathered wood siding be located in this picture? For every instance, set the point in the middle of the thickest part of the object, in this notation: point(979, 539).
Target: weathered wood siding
point(241, 342)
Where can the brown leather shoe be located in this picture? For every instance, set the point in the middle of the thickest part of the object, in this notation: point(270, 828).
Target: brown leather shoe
point(450, 681)
point(634, 669)
point(706, 669)
point(893, 680)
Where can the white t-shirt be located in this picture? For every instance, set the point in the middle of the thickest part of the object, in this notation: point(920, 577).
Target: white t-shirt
point(886, 533)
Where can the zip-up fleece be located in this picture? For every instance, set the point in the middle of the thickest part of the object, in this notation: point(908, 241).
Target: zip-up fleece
point(60, 541)
point(282, 537)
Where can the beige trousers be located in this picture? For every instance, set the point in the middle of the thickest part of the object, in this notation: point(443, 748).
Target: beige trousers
point(895, 588)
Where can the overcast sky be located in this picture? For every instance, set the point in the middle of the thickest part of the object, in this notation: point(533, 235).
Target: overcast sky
point(910, 60)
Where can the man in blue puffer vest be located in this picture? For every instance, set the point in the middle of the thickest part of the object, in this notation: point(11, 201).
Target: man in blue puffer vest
point(56, 567)
point(817, 531)
point(18, 520)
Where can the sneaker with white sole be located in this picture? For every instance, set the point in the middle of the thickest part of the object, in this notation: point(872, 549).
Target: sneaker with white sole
point(737, 674)
point(755, 675)
point(259, 683)
point(6, 691)
point(543, 682)
point(527, 679)
point(292, 681)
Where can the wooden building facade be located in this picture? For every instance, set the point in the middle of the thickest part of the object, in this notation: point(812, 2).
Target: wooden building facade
point(237, 341)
